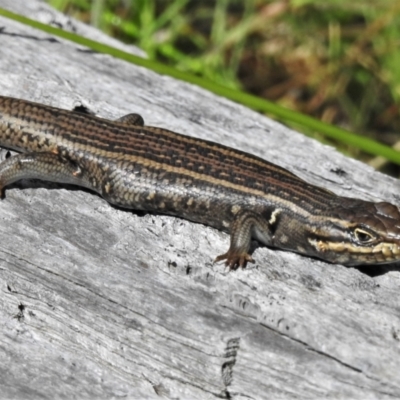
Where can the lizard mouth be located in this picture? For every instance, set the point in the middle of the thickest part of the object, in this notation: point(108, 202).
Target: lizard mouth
point(349, 254)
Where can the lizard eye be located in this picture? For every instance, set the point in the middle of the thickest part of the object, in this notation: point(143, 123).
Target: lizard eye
point(362, 235)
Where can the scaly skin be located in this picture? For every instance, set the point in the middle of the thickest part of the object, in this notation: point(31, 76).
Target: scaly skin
point(150, 168)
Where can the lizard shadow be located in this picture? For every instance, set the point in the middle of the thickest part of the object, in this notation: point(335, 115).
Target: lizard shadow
point(378, 269)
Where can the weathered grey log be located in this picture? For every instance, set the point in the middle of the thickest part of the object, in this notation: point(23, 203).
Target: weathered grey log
point(97, 302)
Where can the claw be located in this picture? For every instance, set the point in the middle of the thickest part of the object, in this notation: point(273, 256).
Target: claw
point(235, 260)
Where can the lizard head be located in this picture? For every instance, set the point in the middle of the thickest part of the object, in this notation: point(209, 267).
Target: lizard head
point(357, 232)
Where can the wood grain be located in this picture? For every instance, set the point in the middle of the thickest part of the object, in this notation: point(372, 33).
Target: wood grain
point(98, 302)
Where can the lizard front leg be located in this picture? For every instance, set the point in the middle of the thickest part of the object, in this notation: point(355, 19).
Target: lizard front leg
point(246, 224)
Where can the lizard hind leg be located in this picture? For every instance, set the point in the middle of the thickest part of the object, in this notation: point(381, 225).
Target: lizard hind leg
point(46, 166)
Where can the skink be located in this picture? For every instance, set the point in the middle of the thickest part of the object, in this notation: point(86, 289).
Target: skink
point(150, 168)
